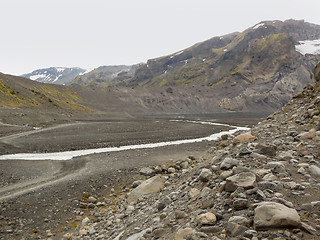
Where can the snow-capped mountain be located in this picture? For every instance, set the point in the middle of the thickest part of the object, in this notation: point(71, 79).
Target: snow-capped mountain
point(55, 75)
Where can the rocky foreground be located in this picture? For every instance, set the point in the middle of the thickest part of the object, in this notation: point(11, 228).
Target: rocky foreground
point(258, 185)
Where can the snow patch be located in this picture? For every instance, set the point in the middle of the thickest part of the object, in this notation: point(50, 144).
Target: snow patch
point(60, 69)
point(89, 70)
point(309, 47)
point(225, 50)
point(57, 78)
point(258, 25)
point(35, 77)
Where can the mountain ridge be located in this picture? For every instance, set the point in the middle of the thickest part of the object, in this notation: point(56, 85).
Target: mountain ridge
point(55, 75)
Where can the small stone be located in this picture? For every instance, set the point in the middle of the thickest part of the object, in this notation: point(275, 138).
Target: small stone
point(268, 150)
point(303, 165)
point(194, 192)
point(163, 203)
point(184, 165)
point(183, 232)
point(225, 174)
point(314, 170)
point(85, 221)
point(180, 214)
point(228, 163)
point(146, 171)
point(308, 135)
point(130, 209)
point(171, 170)
point(159, 232)
point(136, 183)
point(83, 232)
point(240, 204)
point(205, 175)
point(205, 192)
point(240, 220)
point(92, 199)
point(235, 230)
point(207, 219)
point(275, 186)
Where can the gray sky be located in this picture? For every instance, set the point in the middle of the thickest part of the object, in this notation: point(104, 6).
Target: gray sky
point(90, 33)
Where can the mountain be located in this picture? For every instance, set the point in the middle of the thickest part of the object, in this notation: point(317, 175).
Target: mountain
point(105, 76)
point(261, 67)
point(55, 75)
point(19, 92)
point(255, 70)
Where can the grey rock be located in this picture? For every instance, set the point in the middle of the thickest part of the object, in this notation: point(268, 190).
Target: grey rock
point(180, 214)
point(158, 233)
point(163, 203)
point(136, 183)
point(245, 179)
point(228, 163)
point(240, 169)
point(240, 220)
point(151, 185)
point(235, 230)
point(205, 175)
point(285, 156)
point(146, 171)
point(276, 167)
point(207, 219)
point(314, 170)
point(240, 204)
point(275, 215)
point(268, 150)
point(275, 186)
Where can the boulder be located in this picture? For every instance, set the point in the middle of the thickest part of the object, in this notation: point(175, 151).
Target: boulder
point(245, 179)
point(205, 175)
point(268, 150)
point(314, 170)
point(207, 219)
point(146, 171)
point(243, 138)
point(270, 215)
point(228, 163)
point(151, 185)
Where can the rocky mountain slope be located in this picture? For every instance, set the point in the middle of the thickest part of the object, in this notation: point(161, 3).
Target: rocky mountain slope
point(259, 68)
point(104, 76)
point(262, 184)
point(55, 75)
point(22, 92)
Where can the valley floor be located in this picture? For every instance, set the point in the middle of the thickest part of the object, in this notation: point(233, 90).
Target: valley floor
point(40, 196)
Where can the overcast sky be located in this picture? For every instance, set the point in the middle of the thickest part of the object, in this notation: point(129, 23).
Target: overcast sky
point(90, 33)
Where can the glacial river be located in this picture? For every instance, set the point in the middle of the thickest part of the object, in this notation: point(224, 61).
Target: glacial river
point(68, 155)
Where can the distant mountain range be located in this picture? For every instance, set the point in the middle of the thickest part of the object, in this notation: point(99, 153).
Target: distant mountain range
point(55, 75)
point(257, 70)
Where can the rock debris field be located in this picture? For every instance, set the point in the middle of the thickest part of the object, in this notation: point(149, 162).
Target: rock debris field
point(262, 184)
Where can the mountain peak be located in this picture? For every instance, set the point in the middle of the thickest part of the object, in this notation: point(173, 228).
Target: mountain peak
point(55, 75)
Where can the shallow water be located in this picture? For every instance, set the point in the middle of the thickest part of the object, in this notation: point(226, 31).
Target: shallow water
point(68, 155)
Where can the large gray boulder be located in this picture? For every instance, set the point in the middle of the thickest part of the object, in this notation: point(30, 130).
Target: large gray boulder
point(245, 179)
point(151, 185)
point(270, 215)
